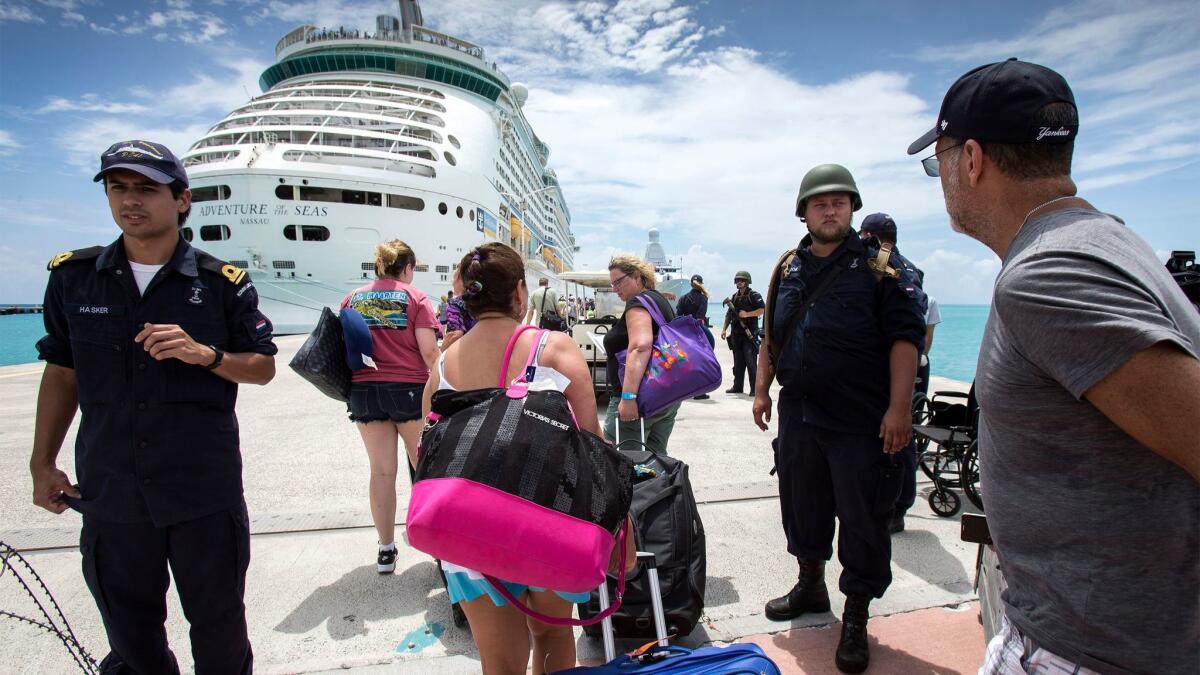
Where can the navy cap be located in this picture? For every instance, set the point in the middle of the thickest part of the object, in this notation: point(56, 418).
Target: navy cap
point(697, 278)
point(152, 160)
point(878, 223)
point(999, 103)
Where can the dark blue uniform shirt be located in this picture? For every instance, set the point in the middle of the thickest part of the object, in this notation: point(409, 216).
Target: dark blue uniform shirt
point(836, 366)
point(694, 304)
point(158, 440)
point(749, 301)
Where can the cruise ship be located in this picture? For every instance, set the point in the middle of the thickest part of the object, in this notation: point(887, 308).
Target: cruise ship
point(360, 136)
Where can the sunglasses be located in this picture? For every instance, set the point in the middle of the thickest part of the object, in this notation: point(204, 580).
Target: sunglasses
point(931, 165)
point(617, 282)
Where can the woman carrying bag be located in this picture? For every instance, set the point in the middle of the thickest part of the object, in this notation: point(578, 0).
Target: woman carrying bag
point(493, 278)
point(634, 333)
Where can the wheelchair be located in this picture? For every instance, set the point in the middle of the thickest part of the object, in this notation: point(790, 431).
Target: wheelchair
point(945, 431)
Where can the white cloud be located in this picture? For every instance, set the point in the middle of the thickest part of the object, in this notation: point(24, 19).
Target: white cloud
point(175, 22)
point(89, 103)
point(957, 278)
point(8, 144)
point(19, 13)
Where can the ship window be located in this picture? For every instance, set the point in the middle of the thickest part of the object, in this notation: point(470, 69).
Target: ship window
point(306, 232)
point(283, 264)
point(453, 141)
point(210, 193)
point(450, 159)
point(405, 202)
point(442, 208)
point(353, 197)
point(458, 212)
point(214, 232)
point(442, 269)
point(368, 267)
point(374, 199)
point(421, 268)
point(242, 264)
point(186, 233)
point(471, 215)
point(319, 194)
point(285, 192)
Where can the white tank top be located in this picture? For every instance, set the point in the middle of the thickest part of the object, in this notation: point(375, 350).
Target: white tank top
point(544, 378)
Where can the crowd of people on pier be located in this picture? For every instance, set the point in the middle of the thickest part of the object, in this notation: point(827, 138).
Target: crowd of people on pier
point(1088, 385)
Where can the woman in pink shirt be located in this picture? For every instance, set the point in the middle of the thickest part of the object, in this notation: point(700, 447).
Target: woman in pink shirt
point(385, 400)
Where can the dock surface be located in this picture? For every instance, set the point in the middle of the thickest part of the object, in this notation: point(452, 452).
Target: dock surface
point(315, 603)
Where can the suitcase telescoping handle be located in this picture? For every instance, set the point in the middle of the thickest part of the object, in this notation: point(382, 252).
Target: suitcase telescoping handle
point(641, 424)
point(656, 606)
point(567, 621)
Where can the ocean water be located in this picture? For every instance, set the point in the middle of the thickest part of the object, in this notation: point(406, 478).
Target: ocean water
point(18, 334)
point(955, 341)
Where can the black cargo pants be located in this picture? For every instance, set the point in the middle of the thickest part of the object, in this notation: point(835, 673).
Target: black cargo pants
point(745, 357)
point(125, 566)
point(825, 474)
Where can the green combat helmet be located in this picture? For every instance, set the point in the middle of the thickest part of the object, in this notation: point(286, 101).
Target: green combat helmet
point(827, 178)
point(743, 275)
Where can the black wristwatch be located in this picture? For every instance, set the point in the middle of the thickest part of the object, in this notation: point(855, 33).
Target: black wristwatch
point(217, 359)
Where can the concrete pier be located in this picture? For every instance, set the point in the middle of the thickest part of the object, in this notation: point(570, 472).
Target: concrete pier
point(315, 603)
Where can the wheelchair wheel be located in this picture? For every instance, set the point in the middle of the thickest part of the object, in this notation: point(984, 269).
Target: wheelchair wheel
point(969, 475)
point(922, 413)
point(944, 503)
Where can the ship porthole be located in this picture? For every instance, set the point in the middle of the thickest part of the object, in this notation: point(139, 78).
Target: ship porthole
point(453, 141)
point(442, 208)
point(450, 159)
point(458, 212)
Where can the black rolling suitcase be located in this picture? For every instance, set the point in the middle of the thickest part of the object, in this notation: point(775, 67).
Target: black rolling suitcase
point(667, 525)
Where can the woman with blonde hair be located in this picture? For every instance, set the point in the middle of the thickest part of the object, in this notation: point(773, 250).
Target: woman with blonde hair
point(385, 401)
point(632, 279)
point(493, 279)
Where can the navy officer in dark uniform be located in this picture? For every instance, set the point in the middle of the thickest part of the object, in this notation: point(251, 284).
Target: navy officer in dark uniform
point(741, 329)
point(148, 338)
point(843, 325)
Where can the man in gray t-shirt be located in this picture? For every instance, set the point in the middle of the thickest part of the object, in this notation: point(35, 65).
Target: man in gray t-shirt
point(1089, 391)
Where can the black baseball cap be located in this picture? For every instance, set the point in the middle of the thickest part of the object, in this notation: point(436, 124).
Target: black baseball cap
point(878, 223)
point(152, 160)
point(1000, 103)
point(697, 278)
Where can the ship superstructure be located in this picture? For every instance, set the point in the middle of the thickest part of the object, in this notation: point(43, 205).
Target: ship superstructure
point(363, 136)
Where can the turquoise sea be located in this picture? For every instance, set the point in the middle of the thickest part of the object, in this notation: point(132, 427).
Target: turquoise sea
point(955, 341)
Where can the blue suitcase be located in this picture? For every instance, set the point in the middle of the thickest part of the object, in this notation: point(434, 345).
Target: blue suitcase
point(664, 659)
point(740, 658)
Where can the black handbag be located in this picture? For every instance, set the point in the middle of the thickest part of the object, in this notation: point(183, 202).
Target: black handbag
point(322, 358)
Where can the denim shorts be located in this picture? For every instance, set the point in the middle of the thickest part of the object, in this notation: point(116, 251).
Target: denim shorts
point(380, 401)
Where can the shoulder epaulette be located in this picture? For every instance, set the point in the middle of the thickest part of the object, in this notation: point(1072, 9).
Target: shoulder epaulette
point(233, 273)
point(88, 253)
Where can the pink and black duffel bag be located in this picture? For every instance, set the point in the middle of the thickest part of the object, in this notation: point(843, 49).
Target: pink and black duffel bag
point(508, 485)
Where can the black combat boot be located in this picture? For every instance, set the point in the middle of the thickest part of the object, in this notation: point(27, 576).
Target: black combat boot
point(853, 653)
point(808, 595)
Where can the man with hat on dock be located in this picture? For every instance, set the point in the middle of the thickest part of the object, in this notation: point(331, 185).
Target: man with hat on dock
point(148, 338)
point(741, 330)
point(1089, 391)
point(843, 329)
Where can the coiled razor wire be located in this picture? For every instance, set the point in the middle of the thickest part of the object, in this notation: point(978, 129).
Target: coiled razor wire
point(12, 561)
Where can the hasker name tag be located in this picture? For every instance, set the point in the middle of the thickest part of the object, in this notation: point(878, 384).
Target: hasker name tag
point(96, 310)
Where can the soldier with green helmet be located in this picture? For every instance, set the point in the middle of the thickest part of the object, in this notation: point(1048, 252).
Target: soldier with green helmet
point(741, 315)
point(844, 321)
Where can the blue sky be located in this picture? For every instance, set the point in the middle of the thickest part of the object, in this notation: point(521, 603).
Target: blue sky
point(695, 118)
